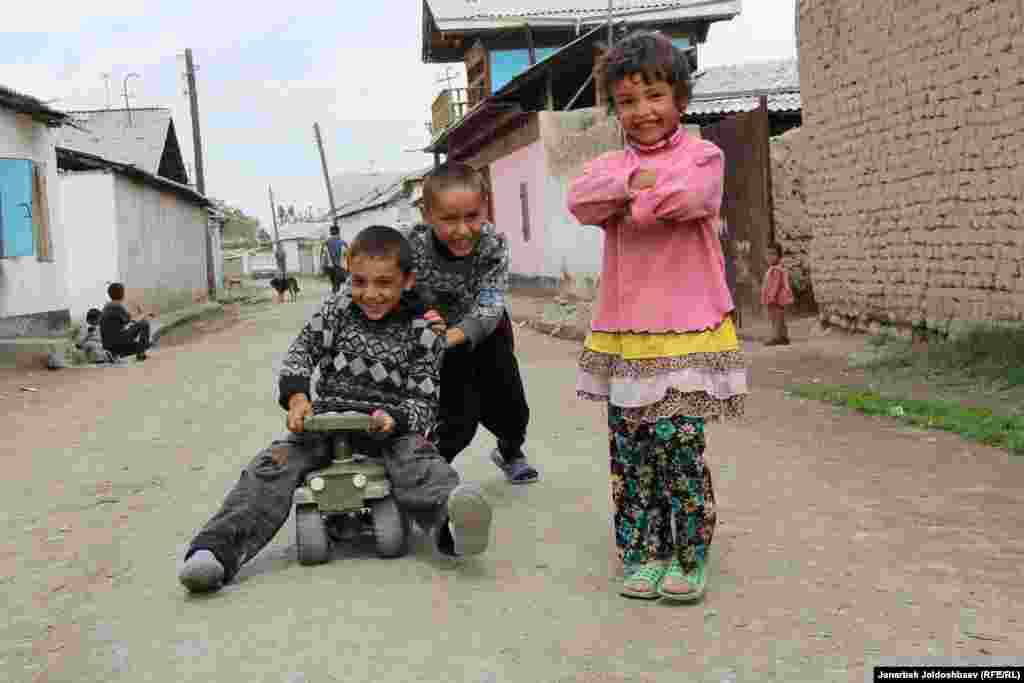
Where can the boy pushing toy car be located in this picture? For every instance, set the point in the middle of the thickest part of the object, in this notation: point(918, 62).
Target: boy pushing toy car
point(377, 355)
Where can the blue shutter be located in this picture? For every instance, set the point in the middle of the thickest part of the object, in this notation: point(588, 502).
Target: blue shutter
point(16, 208)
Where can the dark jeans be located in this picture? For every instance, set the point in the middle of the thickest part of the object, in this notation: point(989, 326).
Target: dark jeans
point(260, 503)
point(134, 339)
point(337, 275)
point(483, 386)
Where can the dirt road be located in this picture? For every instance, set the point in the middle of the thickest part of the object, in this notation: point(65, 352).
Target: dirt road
point(841, 539)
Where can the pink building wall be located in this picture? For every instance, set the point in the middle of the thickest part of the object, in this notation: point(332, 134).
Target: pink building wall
point(508, 174)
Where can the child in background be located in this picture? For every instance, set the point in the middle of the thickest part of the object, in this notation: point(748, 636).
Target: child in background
point(121, 335)
point(662, 351)
point(776, 294)
point(89, 340)
point(462, 261)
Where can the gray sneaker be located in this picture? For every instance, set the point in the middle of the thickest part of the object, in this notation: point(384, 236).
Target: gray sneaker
point(469, 519)
point(518, 471)
point(202, 573)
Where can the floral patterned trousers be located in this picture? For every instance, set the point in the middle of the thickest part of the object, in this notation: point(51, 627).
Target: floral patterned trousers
point(660, 481)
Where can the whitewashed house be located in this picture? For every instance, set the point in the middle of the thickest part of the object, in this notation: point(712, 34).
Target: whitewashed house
point(301, 243)
point(129, 213)
point(377, 199)
point(33, 252)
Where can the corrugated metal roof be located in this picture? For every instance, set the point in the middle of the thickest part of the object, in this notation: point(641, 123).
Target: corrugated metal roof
point(292, 231)
point(350, 188)
point(767, 75)
point(106, 133)
point(386, 191)
point(75, 160)
point(776, 103)
point(26, 104)
point(447, 10)
point(782, 74)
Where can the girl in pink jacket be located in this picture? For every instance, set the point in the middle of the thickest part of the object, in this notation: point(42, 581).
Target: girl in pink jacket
point(776, 294)
point(662, 351)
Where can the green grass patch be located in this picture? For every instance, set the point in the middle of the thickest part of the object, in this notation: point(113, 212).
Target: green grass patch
point(992, 352)
point(977, 424)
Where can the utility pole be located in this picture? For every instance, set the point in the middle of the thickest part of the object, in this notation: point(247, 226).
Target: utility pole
point(273, 215)
point(197, 142)
point(124, 90)
point(197, 146)
point(327, 177)
point(611, 28)
point(106, 81)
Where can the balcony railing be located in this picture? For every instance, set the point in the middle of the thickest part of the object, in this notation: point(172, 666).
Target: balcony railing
point(450, 106)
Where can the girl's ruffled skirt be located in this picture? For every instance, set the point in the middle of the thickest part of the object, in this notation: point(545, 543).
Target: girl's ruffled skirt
point(652, 376)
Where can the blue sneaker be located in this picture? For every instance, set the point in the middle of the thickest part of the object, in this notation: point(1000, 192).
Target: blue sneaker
point(517, 471)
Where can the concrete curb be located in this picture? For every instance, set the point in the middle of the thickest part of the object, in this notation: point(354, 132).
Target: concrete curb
point(180, 318)
point(58, 352)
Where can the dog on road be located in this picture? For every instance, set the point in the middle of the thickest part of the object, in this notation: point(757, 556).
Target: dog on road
point(283, 285)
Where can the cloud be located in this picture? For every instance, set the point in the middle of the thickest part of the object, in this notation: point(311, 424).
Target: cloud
point(763, 31)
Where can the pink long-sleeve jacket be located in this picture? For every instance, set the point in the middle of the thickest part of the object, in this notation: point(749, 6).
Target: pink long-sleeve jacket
point(663, 268)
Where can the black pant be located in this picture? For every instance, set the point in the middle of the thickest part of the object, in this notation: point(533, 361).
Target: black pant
point(134, 339)
point(337, 275)
point(260, 503)
point(483, 386)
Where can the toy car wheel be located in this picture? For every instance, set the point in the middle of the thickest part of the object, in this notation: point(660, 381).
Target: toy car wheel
point(311, 540)
point(390, 528)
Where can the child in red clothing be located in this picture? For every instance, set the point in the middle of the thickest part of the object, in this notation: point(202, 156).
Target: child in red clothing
point(776, 294)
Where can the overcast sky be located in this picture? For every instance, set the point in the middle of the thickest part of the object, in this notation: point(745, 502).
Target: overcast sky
point(267, 71)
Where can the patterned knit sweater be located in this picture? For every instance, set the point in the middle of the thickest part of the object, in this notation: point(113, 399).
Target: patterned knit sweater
point(393, 364)
point(470, 291)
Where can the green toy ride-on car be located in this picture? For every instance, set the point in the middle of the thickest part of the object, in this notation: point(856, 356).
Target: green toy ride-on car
point(348, 499)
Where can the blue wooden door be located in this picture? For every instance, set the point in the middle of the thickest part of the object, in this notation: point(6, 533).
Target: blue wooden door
point(16, 208)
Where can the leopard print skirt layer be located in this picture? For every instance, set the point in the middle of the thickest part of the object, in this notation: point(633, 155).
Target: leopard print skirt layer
point(717, 369)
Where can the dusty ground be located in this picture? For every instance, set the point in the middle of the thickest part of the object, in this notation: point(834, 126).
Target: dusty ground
point(842, 538)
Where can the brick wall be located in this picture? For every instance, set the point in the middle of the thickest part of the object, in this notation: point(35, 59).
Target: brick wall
point(914, 117)
point(792, 229)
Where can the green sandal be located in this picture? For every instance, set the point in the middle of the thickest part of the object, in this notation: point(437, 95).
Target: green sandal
point(697, 579)
point(651, 572)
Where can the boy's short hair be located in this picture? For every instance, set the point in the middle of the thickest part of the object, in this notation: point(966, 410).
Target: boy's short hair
point(92, 316)
point(382, 241)
point(449, 176)
point(651, 54)
point(335, 230)
point(115, 291)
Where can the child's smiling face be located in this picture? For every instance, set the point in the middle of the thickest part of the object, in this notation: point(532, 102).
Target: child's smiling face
point(647, 110)
point(457, 215)
point(377, 284)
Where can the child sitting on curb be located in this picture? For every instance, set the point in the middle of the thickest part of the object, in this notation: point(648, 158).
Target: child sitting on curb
point(89, 341)
point(121, 335)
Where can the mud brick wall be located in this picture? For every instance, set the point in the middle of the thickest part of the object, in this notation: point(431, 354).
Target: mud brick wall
point(792, 229)
point(914, 117)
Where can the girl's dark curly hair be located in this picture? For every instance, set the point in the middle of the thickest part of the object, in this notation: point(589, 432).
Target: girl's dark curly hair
point(651, 54)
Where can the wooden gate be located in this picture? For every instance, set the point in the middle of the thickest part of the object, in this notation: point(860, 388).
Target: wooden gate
point(747, 202)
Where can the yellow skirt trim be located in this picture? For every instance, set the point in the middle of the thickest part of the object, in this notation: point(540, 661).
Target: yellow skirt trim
point(633, 346)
